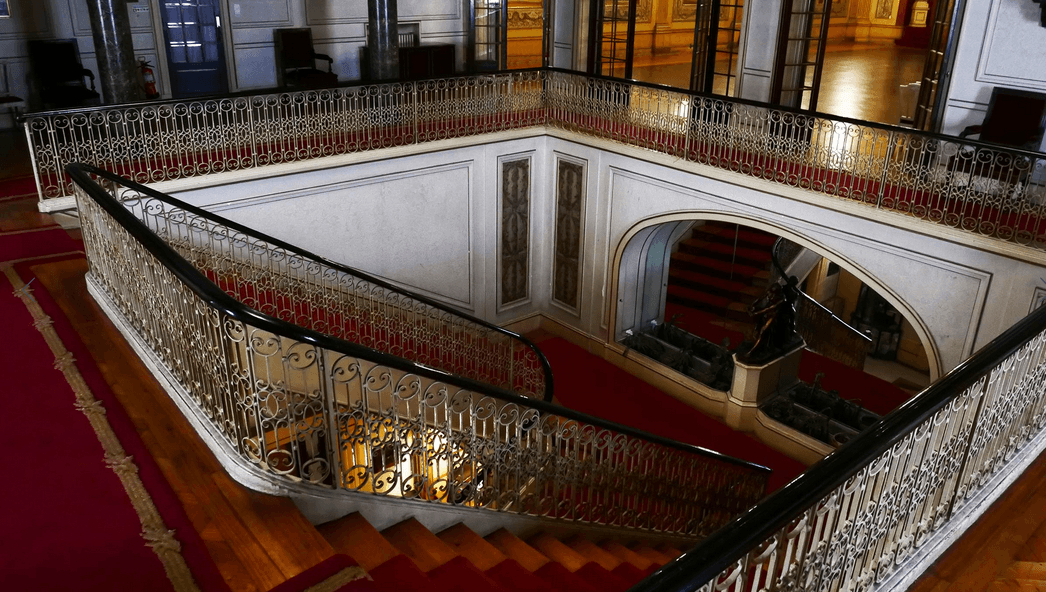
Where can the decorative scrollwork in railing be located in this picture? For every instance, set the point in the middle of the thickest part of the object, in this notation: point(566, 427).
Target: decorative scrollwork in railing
point(979, 188)
point(313, 407)
point(855, 520)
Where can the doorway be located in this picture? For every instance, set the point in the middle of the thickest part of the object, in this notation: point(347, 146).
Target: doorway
point(192, 31)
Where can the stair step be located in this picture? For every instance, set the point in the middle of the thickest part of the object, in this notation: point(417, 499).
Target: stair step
point(603, 579)
point(631, 574)
point(459, 575)
point(669, 550)
point(715, 267)
point(593, 552)
point(625, 554)
point(400, 573)
point(352, 535)
point(717, 285)
point(513, 577)
point(1026, 570)
point(418, 543)
point(471, 546)
point(755, 255)
point(655, 556)
point(515, 548)
point(557, 551)
point(561, 578)
point(725, 231)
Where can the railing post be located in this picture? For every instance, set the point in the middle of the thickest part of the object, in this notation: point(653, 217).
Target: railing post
point(974, 427)
point(891, 147)
point(333, 440)
point(32, 159)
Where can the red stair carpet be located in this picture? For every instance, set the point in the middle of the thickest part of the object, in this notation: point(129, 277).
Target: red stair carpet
point(589, 384)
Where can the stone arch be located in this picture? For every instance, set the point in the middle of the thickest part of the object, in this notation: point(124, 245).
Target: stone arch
point(630, 302)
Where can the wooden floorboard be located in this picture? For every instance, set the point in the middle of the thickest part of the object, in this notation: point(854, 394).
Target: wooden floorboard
point(258, 541)
point(1009, 531)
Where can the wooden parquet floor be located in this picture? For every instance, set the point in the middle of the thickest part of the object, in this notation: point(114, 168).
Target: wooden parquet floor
point(257, 541)
point(1005, 550)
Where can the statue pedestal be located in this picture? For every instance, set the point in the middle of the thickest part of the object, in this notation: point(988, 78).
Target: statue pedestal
point(753, 384)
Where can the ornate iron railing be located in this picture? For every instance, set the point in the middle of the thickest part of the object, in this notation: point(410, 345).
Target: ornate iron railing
point(307, 407)
point(985, 189)
point(857, 519)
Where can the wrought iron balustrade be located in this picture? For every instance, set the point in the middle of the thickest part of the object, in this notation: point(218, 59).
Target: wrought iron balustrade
point(858, 519)
point(981, 188)
point(286, 395)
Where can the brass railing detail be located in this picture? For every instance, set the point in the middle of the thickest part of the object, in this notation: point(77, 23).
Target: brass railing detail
point(984, 189)
point(314, 409)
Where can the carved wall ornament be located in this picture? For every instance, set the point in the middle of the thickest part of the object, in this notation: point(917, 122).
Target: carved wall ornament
point(515, 230)
point(526, 14)
point(884, 9)
point(643, 9)
point(570, 184)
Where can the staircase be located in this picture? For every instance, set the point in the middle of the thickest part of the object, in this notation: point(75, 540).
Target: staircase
point(708, 274)
point(408, 556)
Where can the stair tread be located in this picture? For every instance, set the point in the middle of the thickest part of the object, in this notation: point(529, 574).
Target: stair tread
point(722, 267)
point(418, 543)
point(513, 577)
point(516, 548)
point(652, 554)
point(459, 575)
point(1015, 585)
point(625, 554)
point(669, 550)
point(727, 230)
point(743, 252)
point(355, 537)
point(400, 573)
point(471, 546)
point(604, 579)
point(557, 551)
point(593, 552)
point(561, 578)
point(711, 282)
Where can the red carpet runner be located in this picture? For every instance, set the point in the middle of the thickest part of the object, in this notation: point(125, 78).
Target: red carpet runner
point(589, 384)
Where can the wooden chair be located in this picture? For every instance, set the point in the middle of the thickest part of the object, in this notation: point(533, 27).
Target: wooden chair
point(59, 75)
point(296, 60)
point(1016, 119)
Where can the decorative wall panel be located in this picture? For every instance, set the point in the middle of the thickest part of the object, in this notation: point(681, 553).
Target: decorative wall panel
point(515, 231)
point(570, 199)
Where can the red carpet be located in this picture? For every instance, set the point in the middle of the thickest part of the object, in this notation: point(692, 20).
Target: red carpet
point(15, 188)
point(589, 384)
point(23, 244)
point(68, 520)
point(872, 392)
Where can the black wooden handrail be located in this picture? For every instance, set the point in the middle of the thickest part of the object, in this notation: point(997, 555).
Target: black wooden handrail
point(218, 299)
point(723, 548)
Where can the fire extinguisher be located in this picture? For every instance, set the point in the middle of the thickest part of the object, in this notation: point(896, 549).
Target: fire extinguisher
point(149, 79)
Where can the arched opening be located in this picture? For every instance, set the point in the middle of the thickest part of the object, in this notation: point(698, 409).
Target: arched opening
point(700, 274)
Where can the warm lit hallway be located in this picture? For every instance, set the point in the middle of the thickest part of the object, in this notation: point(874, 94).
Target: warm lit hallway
point(860, 80)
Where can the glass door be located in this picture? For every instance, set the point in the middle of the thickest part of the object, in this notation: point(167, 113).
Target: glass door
point(937, 58)
point(195, 55)
point(800, 53)
point(717, 39)
point(489, 35)
point(613, 33)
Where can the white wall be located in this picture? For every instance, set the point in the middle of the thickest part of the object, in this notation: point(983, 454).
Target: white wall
point(1001, 43)
point(429, 221)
